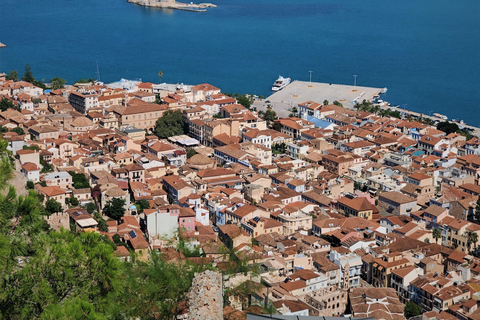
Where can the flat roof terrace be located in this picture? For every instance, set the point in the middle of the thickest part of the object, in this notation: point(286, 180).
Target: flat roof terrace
point(302, 91)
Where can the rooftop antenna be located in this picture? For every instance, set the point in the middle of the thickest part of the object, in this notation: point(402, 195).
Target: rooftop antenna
point(98, 73)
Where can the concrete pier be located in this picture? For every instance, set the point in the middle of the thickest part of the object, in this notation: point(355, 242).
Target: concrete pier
point(302, 91)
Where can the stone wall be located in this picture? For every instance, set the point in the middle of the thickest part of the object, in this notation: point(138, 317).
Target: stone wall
point(206, 296)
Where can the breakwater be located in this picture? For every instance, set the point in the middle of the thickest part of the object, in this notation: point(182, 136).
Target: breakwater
point(170, 4)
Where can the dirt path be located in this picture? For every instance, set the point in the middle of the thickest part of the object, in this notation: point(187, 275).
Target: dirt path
point(18, 181)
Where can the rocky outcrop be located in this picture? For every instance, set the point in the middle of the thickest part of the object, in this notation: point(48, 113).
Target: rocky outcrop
point(205, 298)
point(2, 45)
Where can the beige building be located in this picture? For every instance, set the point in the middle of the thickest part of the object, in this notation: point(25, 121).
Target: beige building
point(56, 193)
point(357, 207)
point(216, 127)
point(41, 132)
point(81, 124)
point(202, 91)
point(261, 225)
point(66, 148)
point(139, 114)
point(27, 155)
point(294, 219)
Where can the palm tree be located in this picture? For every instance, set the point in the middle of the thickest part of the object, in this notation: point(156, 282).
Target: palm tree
point(474, 238)
point(375, 109)
point(436, 234)
point(466, 234)
point(160, 75)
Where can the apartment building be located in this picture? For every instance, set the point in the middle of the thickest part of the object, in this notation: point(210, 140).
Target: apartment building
point(83, 100)
point(337, 162)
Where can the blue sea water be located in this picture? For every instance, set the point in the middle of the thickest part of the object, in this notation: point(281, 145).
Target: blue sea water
point(426, 52)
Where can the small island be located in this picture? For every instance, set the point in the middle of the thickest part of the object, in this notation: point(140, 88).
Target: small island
point(172, 4)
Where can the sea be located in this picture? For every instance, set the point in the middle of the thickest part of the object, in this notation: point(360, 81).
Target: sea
point(427, 52)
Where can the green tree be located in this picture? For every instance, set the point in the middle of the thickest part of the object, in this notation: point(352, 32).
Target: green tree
point(30, 184)
point(6, 104)
point(158, 100)
point(28, 75)
point(155, 289)
point(160, 75)
point(66, 267)
point(83, 80)
point(58, 83)
point(116, 239)
point(293, 112)
point(79, 180)
point(244, 292)
point(143, 204)
point(269, 115)
point(448, 127)
point(218, 116)
point(78, 308)
point(338, 103)
point(47, 167)
point(53, 206)
point(12, 75)
point(102, 224)
point(6, 168)
point(325, 102)
point(91, 207)
point(115, 208)
point(389, 113)
point(411, 309)
point(191, 152)
point(74, 201)
point(279, 148)
point(436, 234)
point(19, 131)
point(244, 101)
point(169, 125)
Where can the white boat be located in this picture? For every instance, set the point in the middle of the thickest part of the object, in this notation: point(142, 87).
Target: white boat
point(384, 90)
point(280, 83)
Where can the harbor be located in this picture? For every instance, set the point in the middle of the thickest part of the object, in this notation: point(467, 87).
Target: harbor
point(301, 91)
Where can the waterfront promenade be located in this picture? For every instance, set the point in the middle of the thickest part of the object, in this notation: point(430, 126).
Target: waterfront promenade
point(407, 113)
point(301, 91)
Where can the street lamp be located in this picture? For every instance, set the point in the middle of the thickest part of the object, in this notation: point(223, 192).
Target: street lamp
point(355, 80)
point(310, 75)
